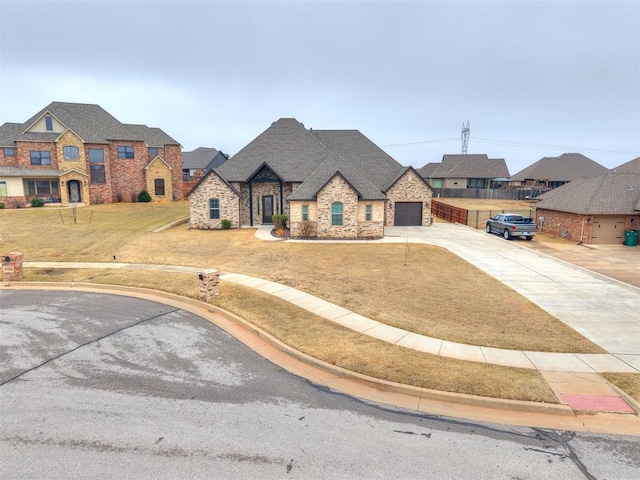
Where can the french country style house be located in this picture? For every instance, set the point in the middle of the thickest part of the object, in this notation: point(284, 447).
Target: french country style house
point(329, 183)
point(79, 153)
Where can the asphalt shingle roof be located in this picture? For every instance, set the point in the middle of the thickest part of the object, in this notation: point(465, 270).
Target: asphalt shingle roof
point(566, 167)
point(362, 154)
point(632, 166)
point(201, 157)
point(612, 193)
point(312, 157)
point(90, 122)
point(29, 172)
point(466, 166)
point(286, 146)
point(326, 171)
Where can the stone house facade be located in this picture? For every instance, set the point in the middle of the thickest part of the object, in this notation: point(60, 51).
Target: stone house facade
point(79, 153)
point(329, 183)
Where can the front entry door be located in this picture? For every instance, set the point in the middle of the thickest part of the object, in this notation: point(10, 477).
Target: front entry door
point(267, 208)
point(74, 191)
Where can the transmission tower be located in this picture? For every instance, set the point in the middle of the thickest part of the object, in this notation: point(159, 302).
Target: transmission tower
point(465, 137)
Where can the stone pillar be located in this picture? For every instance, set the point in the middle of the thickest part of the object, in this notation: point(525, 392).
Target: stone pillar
point(12, 266)
point(208, 282)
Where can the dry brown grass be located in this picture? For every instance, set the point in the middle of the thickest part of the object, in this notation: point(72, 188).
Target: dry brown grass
point(330, 342)
point(436, 294)
point(628, 382)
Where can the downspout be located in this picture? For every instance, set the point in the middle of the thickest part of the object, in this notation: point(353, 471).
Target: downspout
point(281, 199)
point(584, 218)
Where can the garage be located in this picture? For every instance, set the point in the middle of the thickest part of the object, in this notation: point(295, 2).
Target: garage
point(607, 230)
point(408, 214)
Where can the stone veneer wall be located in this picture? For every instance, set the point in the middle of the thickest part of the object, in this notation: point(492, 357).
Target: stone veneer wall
point(70, 139)
point(159, 169)
point(296, 222)
point(375, 227)
point(337, 190)
point(213, 187)
point(409, 188)
point(259, 190)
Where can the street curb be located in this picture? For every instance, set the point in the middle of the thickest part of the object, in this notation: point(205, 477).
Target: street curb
point(378, 384)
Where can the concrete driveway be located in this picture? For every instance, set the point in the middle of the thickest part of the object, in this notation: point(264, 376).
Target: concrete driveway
point(602, 309)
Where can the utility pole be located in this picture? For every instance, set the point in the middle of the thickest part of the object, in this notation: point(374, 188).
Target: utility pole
point(465, 137)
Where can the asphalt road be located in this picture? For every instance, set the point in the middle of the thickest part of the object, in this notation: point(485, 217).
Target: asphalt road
point(103, 386)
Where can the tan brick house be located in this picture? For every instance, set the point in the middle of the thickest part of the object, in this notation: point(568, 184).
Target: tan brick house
point(330, 184)
point(79, 153)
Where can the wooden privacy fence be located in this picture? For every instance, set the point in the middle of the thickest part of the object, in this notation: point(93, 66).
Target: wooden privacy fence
point(449, 212)
point(472, 218)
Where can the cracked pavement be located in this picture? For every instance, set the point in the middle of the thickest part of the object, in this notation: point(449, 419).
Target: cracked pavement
point(97, 386)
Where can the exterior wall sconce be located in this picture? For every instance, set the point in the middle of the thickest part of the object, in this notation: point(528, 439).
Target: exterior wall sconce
point(589, 221)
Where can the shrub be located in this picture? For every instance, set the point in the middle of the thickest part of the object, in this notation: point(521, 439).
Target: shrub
point(305, 228)
point(144, 196)
point(279, 222)
point(1, 205)
point(226, 224)
point(37, 202)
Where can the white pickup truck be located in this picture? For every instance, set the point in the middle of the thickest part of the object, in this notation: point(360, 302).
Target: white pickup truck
point(510, 225)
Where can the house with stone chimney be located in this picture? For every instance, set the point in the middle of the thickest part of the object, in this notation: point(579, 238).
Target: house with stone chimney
point(72, 153)
point(329, 183)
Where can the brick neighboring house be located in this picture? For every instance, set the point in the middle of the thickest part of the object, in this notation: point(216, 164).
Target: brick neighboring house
point(330, 183)
point(594, 210)
point(552, 172)
point(198, 162)
point(79, 153)
point(466, 171)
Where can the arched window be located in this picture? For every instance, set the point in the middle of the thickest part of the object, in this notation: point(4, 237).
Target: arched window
point(70, 152)
point(336, 213)
point(214, 208)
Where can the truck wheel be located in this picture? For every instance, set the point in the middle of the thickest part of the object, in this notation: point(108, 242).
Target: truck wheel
point(488, 228)
point(506, 234)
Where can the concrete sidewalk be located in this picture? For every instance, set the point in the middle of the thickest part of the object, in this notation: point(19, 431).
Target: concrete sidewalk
point(559, 362)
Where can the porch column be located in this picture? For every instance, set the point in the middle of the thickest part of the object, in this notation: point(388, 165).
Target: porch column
point(251, 202)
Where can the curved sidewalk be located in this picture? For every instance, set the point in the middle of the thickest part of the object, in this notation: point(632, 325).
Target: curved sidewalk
point(558, 362)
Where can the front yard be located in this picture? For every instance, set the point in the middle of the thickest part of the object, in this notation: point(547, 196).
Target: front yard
point(425, 295)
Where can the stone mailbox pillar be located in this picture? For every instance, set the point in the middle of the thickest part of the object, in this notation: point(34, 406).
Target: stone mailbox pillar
point(208, 283)
point(11, 266)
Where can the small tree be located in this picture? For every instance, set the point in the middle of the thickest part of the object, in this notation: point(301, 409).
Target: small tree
point(144, 196)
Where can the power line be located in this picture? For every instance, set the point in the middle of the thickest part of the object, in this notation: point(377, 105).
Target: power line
point(510, 143)
point(443, 140)
point(517, 144)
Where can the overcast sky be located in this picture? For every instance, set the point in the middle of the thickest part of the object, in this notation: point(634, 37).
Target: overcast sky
point(534, 78)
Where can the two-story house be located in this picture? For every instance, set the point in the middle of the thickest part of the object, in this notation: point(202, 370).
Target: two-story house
point(79, 153)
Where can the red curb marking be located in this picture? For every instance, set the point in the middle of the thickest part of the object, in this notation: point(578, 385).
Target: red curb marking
point(598, 403)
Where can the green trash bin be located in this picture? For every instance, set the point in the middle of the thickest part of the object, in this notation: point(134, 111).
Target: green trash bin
point(631, 238)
